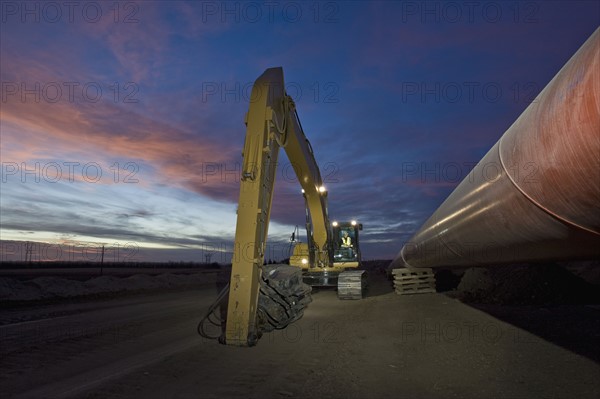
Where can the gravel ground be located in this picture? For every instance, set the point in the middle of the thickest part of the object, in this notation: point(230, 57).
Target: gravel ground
point(384, 346)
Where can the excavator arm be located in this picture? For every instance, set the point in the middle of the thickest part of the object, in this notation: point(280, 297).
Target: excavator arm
point(271, 123)
point(300, 154)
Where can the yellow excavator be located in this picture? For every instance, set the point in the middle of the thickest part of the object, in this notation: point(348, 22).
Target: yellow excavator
point(343, 247)
point(260, 297)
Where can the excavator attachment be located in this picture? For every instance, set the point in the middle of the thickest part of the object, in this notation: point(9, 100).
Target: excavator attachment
point(281, 300)
point(283, 297)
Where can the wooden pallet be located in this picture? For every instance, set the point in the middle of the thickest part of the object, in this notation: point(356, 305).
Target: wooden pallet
point(413, 281)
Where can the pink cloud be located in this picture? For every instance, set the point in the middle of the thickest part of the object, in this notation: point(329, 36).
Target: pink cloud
point(103, 131)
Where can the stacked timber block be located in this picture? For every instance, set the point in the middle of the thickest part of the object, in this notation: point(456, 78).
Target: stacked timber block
point(413, 281)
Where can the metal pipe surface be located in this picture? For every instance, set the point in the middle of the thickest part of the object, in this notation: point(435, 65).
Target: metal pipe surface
point(535, 196)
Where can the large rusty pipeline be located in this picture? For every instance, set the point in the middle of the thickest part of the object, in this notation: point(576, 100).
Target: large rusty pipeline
point(535, 196)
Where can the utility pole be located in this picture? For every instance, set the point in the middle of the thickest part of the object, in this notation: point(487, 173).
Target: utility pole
point(102, 261)
point(28, 251)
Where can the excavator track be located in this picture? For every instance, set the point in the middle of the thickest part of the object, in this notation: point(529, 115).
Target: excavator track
point(352, 284)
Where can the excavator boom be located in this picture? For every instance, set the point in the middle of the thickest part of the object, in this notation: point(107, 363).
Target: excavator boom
point(271, 123)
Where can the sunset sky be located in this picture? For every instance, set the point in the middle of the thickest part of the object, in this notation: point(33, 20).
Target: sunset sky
point(122, 122)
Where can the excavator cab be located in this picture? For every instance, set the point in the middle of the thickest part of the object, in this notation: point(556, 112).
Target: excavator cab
point(344, 243)
point(346, 250)
point(342, 273)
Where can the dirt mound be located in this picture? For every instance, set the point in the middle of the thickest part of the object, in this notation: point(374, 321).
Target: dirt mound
point(14, 290)
point(59, 287)
point(172, 280)
point(50, 287)
point(104, 284)
point(524, 285)
point(141, 281)
point(587, 270)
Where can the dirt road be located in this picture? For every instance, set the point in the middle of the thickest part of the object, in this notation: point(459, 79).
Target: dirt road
point(385, 346)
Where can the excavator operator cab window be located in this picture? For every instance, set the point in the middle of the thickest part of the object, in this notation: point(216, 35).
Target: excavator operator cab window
point(345, 240)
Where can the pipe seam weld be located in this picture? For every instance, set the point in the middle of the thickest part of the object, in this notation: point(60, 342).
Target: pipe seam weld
point(536, 203)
